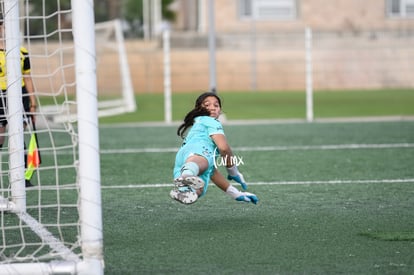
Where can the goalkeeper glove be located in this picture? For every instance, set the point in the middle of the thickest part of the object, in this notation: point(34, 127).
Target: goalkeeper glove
point(235, 175)
point(241, 196)
point(247, 197)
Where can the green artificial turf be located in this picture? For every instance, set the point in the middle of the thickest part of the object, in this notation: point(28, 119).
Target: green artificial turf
point(335, 198)
point(331, 196)
point(278, 105)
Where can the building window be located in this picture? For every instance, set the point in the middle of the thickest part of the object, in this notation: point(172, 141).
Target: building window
point(400, 8)
point(267, 9)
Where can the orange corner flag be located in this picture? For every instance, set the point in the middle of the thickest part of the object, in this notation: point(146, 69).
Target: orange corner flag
point(33, 157)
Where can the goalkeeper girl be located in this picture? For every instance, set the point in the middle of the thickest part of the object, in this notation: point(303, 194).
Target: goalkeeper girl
point(203, 139)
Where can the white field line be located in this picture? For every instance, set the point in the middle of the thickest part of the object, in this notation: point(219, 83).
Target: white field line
point(268, 148)
point(269, 121)
point(248, 148)
point(161, 185)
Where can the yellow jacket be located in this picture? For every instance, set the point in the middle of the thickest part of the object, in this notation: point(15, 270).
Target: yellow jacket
point(24, 64)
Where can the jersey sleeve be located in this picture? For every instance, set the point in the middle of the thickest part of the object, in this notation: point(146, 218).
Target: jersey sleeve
point(213, 126)
point(25, 60)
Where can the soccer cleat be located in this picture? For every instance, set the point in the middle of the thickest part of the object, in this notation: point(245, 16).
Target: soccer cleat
point(184, 194)
point(194, 182)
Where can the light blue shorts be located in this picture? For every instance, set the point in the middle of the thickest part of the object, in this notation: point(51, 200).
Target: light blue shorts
point(195, 149)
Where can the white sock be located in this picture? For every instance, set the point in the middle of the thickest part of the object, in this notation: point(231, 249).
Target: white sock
point(190, 169)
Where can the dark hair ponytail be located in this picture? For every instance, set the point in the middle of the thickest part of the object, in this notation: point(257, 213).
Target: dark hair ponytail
point(198, 110)
point(189, 119)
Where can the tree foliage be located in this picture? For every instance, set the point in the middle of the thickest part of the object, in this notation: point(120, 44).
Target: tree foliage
point(38, 26)
point(131, 12)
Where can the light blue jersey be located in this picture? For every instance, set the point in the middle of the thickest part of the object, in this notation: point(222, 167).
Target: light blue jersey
point(198, 142)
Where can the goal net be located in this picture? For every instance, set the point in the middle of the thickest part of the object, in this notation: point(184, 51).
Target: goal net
point(55, 226)
point(116, 94)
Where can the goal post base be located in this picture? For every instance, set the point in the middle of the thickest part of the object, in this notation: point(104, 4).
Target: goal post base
point(86, 267)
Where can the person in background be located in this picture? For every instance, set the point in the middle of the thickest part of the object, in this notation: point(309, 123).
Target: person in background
point(28, 97)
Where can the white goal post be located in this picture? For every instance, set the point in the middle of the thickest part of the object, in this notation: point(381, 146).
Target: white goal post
point(109, 36)
point(54, 227)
